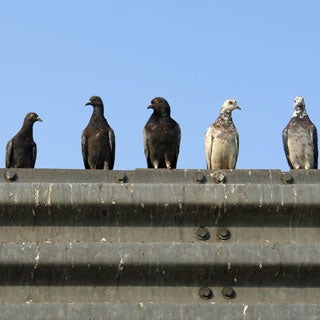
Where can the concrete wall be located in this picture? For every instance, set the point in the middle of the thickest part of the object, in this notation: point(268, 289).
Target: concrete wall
point(159, 244)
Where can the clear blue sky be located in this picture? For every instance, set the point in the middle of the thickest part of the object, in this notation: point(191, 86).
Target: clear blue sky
point(56, 54)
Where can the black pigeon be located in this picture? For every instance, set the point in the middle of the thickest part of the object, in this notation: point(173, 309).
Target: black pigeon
point(300, 139)
point(222, 139)
point(161, 136)
point(21, 151)
point(98, 140)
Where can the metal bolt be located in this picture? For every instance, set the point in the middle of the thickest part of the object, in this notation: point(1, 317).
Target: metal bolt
point(10, 176)
point(223, 233)
point(287, 178)
point(199, 177)
point(121, 176)
point(219, 177)
point(203, 234)
point(205, 293)
point(228, 293)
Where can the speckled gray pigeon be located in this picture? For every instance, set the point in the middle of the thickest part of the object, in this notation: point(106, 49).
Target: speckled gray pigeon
point(300, 139)
point(21, 150)
point(98, 140)
point(161, 136)
point(222, 139)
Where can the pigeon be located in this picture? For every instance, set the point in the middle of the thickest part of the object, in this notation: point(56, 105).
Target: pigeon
point(161, 136)
point(98, 140)
point(222, 139)
point(21, 150)
point(300, 139)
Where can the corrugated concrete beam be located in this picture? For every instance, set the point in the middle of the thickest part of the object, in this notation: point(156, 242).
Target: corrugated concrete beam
point(154, 244)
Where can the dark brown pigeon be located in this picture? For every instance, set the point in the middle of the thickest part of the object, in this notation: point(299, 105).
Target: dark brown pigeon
point(98, 140)
point(161, 136)
point(222, 139)
point(21, 151)
point(300, 139)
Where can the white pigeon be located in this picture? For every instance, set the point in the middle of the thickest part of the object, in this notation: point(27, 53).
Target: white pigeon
point(222, 139)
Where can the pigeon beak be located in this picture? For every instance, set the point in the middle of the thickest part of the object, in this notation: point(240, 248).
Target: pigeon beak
point(39, 119)
point(238, 108)
point(89, 103)
point(150, 106)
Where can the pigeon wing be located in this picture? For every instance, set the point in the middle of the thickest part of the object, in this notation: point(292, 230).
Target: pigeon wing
point(34, 154)
point(176, 148)
point(237, 147)
point(112, 143)
point(9, 153)
point(208, 139)
point(84, 146)
point(146, 147)
point(285, 145)
point(314, 136)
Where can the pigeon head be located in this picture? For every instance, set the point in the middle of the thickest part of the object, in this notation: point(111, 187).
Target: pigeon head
point(299, 105)
point(31, 118)
point(230, 105)
point(95, 101)
point(160, 106)
point(97, 104)
point(226, 109)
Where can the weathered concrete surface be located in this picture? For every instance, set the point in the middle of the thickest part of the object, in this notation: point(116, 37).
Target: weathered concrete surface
point(141, 310)
point(141, 244)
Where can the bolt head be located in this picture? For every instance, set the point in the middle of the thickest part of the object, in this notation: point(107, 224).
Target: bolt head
point(228, 293)
point(223, 233)
point(287, 178)
point(203, 234)
point(205, 293)
point(199, 177)
point(219, 177)
point(121, 176)
point(10, 175)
